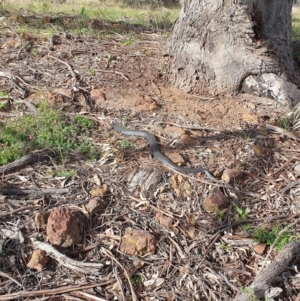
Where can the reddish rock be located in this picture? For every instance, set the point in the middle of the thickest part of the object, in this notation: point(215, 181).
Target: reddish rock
point(216, 202)
point(137, 242)
point(62, 227)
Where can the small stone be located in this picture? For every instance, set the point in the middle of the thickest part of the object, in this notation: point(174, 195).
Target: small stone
point(187, 140)
point(98, 96)
point(95, 205)
point(137, 242)
point(297, 169)
point(232, 175)
point(38, 260)
point(173, 131)
point(216, 202)
point(234, 164)
point(259, 150)
point(176, 158)
point(63, 228)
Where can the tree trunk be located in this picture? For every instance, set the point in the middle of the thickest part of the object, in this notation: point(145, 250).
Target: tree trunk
point(229, 46)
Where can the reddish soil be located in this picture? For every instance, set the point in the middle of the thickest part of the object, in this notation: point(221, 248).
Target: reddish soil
point(124, 79)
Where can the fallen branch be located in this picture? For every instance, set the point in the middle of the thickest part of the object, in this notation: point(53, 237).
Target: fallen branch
point(50, 292)
point(78, 266)
point(13, 212)
point(26, 160)
point(265, 278)
point(17, 191)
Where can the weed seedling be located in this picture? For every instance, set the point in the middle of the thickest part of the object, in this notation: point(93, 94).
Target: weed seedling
point(124, 144)
point(135, 279)
point(286, 123)
point(263, 235)
point(242, 212)
point(47, 129)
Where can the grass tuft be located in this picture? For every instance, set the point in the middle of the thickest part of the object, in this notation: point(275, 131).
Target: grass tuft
point(47, 129)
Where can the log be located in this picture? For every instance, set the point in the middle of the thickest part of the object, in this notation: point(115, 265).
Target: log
point(265, 278)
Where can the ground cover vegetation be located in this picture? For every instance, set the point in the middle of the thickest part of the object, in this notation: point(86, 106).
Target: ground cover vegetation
point(63, 95)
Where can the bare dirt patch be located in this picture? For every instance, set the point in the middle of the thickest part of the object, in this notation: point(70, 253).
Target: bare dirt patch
point(123, 79)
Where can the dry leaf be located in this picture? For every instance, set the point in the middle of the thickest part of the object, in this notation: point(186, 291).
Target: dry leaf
point(38, 260)
point(259, 248)
point(99, 191)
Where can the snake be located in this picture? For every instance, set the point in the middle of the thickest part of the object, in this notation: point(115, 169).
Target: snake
point(158, 155)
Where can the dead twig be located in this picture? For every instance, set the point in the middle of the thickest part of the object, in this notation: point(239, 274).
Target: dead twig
point(17, 191)
point(13, 212)
point(82, 267)
point(116, 72)
point(10, 278)
point(51, 292)
point(70, 69)
point(109, 254)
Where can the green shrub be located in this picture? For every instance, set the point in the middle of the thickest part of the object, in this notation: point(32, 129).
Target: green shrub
point(46, 129)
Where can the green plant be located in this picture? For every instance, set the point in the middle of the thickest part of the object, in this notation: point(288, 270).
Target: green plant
point(84, 122)
point(242, 212)
point(91, 71)
point(263, 235)
point(61, 171)
point(250, 293)
point(135, 279)
point(246, 136)
point(34, 52)
point(286, 123)
point(46, 129)
point(220, 214)
point(3, 94)
point(124, 143)
point(225, 246)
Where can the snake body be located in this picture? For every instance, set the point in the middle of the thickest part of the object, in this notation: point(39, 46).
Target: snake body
point(158, 155)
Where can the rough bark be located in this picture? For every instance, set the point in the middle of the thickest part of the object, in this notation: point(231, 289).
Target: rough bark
point(235, 45)
point(265, 278)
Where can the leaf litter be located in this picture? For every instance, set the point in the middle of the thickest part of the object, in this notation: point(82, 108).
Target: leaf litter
point(198, 255)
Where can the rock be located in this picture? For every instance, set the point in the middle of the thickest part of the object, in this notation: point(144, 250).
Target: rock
point(186, 140)
point(38, 260)
point(62, 227)
point(173, 131)
point(232, 175)
point(176, 158)
point(137, 242)
point(99, 192)
point(41, 220)
point(95, 205)
point(234, 164)
point(297, 169)
point(271, 86)
point(216, 202)
point(98, 96)
point(259, 150)
point(164, 220)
